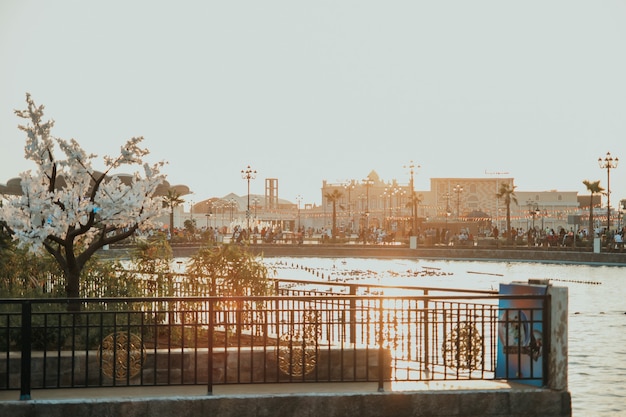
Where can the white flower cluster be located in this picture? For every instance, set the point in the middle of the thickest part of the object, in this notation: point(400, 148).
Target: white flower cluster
point(66, 200)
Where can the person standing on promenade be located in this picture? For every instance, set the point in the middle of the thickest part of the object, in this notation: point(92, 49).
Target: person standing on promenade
point(619, 241)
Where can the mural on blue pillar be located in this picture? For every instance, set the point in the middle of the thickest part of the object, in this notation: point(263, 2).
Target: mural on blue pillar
point(520, 335)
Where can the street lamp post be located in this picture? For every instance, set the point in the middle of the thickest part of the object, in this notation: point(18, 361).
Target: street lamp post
point(447, 197)
point(399, 192)
point(192, 222)
point(386, 193)
point(231, 203)
point(412, 167)
point(607, 163)
point(248, 174)
point(368, 183)
point(349, 186)
point(445, 232)
point(534, 212)
point(223, 209)
point(299, 200)
point(458, 190)
point(216, 206)
point(208, 214)
point(501, 219)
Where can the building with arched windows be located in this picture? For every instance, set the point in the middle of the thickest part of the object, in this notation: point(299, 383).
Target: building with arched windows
point(373, 202)
point(450, 202)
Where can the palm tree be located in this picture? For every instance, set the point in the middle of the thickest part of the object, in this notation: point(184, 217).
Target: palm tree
point(171, 200)
point(593, 188)
point(413, 204)
point(507, 193)
point(333, 197)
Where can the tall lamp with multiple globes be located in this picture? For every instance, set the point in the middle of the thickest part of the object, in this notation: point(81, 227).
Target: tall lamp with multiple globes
point(608, 162)
point(299, 200)
point(458, 189)
point(256, 202)
point(367, 182)
point(248, 174)
point(349, 186)
point(412, 167)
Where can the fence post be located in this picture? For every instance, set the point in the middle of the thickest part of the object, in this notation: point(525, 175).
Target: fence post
point(557, 348)
point(210, 347)
point(381, 342)
point(26, 350)
point(426, 338)
point(352, 318)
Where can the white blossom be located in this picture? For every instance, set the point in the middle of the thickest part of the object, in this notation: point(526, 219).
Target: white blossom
point(68, 199)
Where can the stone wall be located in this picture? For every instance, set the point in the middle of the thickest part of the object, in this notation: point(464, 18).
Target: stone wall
point(188, 366)
point(461, 403)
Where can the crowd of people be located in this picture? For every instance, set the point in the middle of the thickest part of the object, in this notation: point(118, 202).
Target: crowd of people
point(533, 236)
point(612, 240)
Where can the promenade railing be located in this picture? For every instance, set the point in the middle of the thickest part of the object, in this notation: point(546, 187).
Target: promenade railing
point(301, 335)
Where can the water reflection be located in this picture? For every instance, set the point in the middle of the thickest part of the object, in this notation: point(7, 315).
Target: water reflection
point(597, 358)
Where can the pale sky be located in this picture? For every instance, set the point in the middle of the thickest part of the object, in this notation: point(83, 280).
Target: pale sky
point(306, 91)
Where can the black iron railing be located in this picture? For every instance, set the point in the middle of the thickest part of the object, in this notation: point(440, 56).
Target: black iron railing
point(317, 337)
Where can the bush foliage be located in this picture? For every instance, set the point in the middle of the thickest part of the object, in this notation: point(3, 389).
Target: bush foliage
point(224, 271)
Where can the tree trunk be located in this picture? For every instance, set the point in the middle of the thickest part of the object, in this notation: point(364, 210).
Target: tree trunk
point(72, 288)
point(509, 235)
point(591, 232)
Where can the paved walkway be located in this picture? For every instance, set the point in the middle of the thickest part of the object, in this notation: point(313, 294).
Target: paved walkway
point(259, 389)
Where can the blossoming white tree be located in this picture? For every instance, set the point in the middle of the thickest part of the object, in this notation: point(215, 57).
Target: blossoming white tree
point(70, 209)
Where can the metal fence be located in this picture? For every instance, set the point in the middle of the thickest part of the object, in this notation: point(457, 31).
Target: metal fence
point(301, 335)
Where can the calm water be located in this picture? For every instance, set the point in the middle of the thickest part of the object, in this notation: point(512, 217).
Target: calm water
point(597, 319)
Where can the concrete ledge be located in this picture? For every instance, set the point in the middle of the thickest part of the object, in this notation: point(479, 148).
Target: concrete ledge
point(500, 403)
point(511, 253)
point(189, 366)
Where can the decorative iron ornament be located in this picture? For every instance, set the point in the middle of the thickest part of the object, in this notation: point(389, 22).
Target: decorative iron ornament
point(121, 355)
point(297, 350)
point(463, 348)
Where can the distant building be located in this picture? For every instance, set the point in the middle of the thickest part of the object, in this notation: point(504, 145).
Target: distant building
point(545, 209)
point(368, 202)
point(230, 210)
point(457, 198)
point(373, 202)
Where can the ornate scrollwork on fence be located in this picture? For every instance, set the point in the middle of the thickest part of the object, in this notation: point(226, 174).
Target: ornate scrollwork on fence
point(463, 347)
point(297, 350)
point(121, 355)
